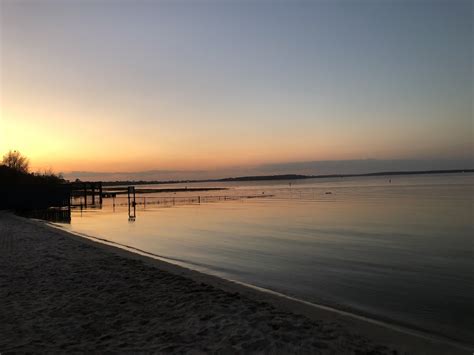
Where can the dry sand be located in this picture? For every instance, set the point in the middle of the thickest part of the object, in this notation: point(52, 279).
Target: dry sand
point(60, 292)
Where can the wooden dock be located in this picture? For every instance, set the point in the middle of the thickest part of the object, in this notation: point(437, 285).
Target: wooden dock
point(86, 194)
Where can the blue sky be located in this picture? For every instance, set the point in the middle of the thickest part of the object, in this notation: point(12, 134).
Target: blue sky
point(213, 86)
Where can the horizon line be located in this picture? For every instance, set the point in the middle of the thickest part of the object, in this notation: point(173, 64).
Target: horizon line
point(296, 176)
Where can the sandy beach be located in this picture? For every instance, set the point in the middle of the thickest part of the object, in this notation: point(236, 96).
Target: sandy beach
point(61, 292)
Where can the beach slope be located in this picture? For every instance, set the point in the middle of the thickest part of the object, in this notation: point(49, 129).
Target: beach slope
point(60, 292)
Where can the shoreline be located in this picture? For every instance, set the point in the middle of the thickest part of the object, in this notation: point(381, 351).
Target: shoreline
point(289, 177)
point(350, 325)
point(294, 304)
point(139, 191)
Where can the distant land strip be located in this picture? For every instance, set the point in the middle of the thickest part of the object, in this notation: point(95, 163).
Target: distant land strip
point(123, 191)
point(287, 177)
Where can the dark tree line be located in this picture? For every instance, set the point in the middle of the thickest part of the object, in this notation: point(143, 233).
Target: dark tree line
point(14, 169)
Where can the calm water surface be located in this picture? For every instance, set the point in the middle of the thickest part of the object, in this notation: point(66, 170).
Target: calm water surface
point(400, 251)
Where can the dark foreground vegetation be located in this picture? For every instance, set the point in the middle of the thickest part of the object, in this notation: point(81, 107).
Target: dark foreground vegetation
point(14, 177)
point(21, 190)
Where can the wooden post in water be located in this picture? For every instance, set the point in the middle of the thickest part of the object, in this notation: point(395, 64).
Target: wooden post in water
point(93, 192)
point(130, 191)
point(85, 195)
point(100, 192)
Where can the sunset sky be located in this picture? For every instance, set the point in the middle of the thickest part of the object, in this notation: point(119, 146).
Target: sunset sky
point(233, 86)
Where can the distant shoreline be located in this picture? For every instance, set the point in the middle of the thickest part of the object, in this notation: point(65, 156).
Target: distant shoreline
point(122, 191)
point(286, 177)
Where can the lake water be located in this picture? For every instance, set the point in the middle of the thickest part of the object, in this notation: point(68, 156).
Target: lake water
point(399, 251)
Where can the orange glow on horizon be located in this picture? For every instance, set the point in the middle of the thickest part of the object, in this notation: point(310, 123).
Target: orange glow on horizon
point(52, 142)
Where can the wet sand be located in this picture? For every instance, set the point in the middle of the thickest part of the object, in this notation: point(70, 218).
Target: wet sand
point(61, 292)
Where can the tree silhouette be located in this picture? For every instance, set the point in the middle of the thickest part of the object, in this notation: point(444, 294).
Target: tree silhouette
point(15, 160)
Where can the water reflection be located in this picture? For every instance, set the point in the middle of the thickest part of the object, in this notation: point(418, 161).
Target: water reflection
point(402, 252)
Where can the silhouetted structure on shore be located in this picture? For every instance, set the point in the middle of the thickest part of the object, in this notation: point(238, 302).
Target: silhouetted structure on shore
point(23, 191)
point(34, 196)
